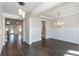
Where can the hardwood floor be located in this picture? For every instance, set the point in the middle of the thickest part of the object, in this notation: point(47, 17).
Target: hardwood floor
point(50, 47)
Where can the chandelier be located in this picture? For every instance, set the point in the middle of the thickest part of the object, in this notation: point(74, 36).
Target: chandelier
point(59, 23)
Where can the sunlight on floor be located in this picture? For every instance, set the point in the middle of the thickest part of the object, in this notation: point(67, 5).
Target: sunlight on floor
point(68, 55)
point(72, 53)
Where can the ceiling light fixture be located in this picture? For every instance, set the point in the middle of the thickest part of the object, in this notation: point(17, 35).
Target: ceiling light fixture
point(21, 3)
point(23, 14)
point(6, 29)
point(20, 12)
point(8, 22)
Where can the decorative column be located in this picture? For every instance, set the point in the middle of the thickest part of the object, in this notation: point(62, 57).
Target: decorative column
point(43, 31)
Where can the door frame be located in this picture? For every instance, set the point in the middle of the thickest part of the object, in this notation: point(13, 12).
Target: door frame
point(4, 18)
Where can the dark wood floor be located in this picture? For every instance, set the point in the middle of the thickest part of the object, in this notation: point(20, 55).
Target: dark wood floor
point(50, 47)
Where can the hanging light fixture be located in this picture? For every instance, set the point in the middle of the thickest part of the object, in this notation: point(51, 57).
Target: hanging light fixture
point(59, 23)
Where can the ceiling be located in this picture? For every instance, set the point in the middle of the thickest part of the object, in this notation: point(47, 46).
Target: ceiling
point(13, 7)
point(65, 9)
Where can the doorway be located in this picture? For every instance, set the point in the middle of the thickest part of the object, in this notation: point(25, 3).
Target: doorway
point(14, 31)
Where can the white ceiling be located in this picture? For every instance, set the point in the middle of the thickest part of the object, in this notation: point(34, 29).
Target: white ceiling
point(35, 8)
point(13, 7)
point(65, 9)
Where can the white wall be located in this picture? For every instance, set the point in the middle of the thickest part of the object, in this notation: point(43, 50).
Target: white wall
point(26, 27)
point(2, 29)
point(35, 31)
point(36, 28)
point(70, 30)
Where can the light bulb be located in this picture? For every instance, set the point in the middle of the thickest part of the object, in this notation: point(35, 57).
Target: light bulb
point(12, 31)
point(23, 14)
point(8, 22)
point(58, 23)
point(62, 23)
point(6, 29)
